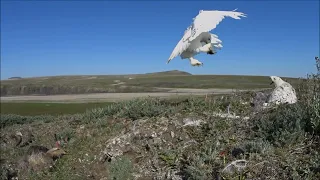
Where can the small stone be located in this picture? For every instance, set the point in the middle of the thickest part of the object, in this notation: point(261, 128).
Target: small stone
point(154, 135)
point(156, 140)
point(234, 167)
point(191, 122)
point(172, 134)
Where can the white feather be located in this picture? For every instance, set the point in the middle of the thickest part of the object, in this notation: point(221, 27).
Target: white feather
point(204, 22)
point(283, 92)
point(208, 20)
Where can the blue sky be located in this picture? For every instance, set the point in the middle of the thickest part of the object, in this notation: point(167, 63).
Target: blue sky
point(40, 38)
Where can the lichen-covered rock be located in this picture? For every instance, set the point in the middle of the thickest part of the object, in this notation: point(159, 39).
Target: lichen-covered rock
point(152, 146)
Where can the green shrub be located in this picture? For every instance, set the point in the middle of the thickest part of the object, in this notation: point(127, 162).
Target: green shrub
point(11, 119)
point(121, 169)
point(309, 95)
point(281, 126)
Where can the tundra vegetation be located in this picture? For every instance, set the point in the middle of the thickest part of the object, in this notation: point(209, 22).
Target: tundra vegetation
point(150, 82)
point(182, 138)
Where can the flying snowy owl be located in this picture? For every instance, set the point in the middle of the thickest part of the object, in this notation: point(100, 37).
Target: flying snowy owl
point(197, 39)
point(283, 92)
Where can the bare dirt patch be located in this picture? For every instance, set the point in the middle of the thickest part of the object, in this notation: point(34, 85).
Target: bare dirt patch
point(80, 98)
point(114, 97)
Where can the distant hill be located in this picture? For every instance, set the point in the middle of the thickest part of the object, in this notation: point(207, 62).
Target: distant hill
point(13, 78)
point(172, 72)
point(149, 82)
